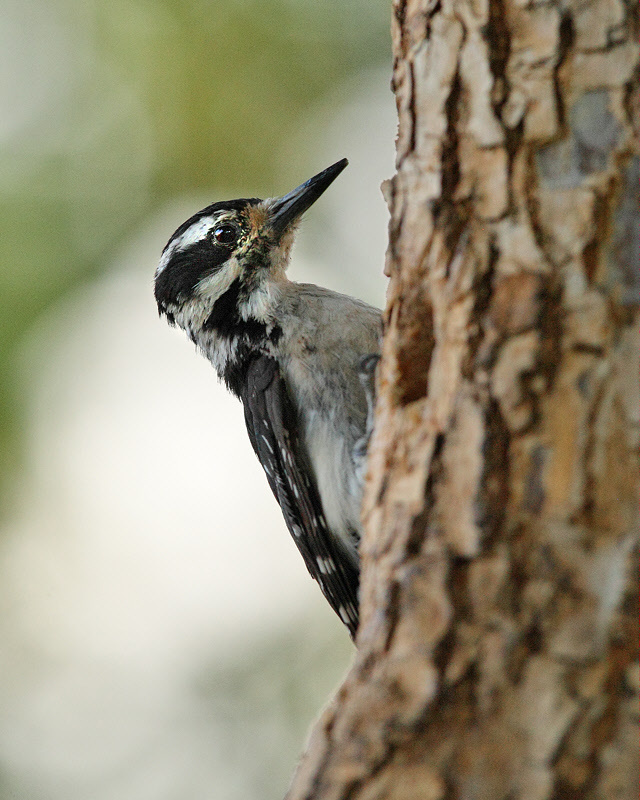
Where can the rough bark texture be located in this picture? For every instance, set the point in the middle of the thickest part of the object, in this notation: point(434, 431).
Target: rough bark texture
point(497, 654)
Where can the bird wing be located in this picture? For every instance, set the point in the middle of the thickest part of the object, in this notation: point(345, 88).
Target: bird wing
point(271, 423)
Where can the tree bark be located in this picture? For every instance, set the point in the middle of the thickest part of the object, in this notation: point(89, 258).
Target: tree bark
point(497, 652)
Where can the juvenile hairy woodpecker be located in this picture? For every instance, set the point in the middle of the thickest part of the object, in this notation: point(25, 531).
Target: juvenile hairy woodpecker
point(300, 358)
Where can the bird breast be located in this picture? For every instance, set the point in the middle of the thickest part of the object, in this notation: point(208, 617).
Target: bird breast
point(323, 341)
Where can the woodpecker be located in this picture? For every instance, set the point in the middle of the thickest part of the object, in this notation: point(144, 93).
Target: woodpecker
point(299, 357)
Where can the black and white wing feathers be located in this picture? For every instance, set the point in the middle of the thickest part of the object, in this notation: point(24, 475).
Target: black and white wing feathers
point(270, 421)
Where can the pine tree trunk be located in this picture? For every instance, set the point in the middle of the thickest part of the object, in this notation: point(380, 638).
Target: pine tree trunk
point(497, 653)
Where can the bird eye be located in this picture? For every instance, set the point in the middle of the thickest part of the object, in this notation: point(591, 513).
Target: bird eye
point(225, 234)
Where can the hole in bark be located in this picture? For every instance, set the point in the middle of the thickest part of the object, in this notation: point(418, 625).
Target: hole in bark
point(458, 592)
point(533, 638)
point(620, 255)
point(590, 258)
point(566, 36)
point(550, 351)
point(421, 522)
point(418, 532)
point(443, 650)
point(482, 291)
point(532, 642)
point(393, 612)
point(534, 495)
point(494, 488)
point(415, 326)
point(450, 160)
point(496, 34)
point(592, 250)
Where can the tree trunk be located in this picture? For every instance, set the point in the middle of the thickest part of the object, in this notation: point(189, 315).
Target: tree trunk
point(497, 653)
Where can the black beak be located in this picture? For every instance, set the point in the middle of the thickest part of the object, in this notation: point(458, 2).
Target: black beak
point(289, 208)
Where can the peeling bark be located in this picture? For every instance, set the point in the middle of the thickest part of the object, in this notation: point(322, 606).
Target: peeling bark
point(497, 653)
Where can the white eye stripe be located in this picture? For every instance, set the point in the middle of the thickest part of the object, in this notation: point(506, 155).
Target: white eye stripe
point(194, 233)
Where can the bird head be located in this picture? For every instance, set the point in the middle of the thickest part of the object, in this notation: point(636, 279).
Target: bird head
point(232, 253)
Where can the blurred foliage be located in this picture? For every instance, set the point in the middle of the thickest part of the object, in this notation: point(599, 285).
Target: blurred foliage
point(112, 108)
point(232, 727)
point(264, 709)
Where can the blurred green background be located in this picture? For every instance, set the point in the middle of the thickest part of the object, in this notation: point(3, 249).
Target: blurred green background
point(112, 108)
point(159, 636)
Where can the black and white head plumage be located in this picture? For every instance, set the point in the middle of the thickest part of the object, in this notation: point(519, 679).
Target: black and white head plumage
point(216, 278)
point(238, 239)
point(193, 252)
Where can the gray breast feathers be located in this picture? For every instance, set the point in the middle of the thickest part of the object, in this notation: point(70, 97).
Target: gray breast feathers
point(323, 344)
